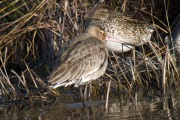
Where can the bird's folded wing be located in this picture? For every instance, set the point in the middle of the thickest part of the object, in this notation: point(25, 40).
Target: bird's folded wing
point(81, 59)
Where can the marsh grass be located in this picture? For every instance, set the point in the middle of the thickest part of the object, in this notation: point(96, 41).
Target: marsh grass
point(33, 32)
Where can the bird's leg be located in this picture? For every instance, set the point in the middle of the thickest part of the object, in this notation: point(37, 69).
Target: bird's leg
point(80, 89)
point(85, 92)
point(81, 93)
point(83, 101)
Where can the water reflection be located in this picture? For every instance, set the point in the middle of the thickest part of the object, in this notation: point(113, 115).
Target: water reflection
point(165, 107)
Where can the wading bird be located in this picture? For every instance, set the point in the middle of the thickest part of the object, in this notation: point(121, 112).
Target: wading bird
point(176, 36)
point(84, 60)
point(173, 41)
point(123, 32)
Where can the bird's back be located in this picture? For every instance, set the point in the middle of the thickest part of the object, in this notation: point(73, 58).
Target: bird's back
point(126, 28)
point(84, 56)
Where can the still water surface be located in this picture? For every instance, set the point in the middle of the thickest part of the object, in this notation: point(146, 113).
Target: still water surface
point(139, 106)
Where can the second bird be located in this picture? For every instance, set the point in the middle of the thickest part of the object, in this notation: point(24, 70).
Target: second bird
point(124, 32)
point(84, 60)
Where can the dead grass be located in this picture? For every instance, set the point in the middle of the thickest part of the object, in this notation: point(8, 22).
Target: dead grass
point(32, 33)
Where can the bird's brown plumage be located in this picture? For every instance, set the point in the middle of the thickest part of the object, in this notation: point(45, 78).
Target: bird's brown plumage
point(127, 30)
point(84, 60)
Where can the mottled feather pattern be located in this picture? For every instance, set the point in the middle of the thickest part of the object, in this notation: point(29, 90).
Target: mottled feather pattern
point(176, 36)
point(77, 62)
point(127, 30)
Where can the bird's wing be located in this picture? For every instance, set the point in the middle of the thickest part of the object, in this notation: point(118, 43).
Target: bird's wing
point(125, 32)
point(82, 58)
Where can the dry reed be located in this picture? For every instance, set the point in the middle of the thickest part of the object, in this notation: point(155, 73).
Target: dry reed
point(33, 32)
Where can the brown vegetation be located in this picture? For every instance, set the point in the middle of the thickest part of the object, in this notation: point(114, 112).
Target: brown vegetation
point(32, 33)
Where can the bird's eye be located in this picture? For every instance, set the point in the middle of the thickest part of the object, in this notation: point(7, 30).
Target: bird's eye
point(101, 32)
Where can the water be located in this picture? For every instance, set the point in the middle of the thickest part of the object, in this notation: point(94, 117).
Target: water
point(141, 105)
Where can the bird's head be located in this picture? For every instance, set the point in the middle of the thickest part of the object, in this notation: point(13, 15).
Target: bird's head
point(97, 32)
point(101, 12)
